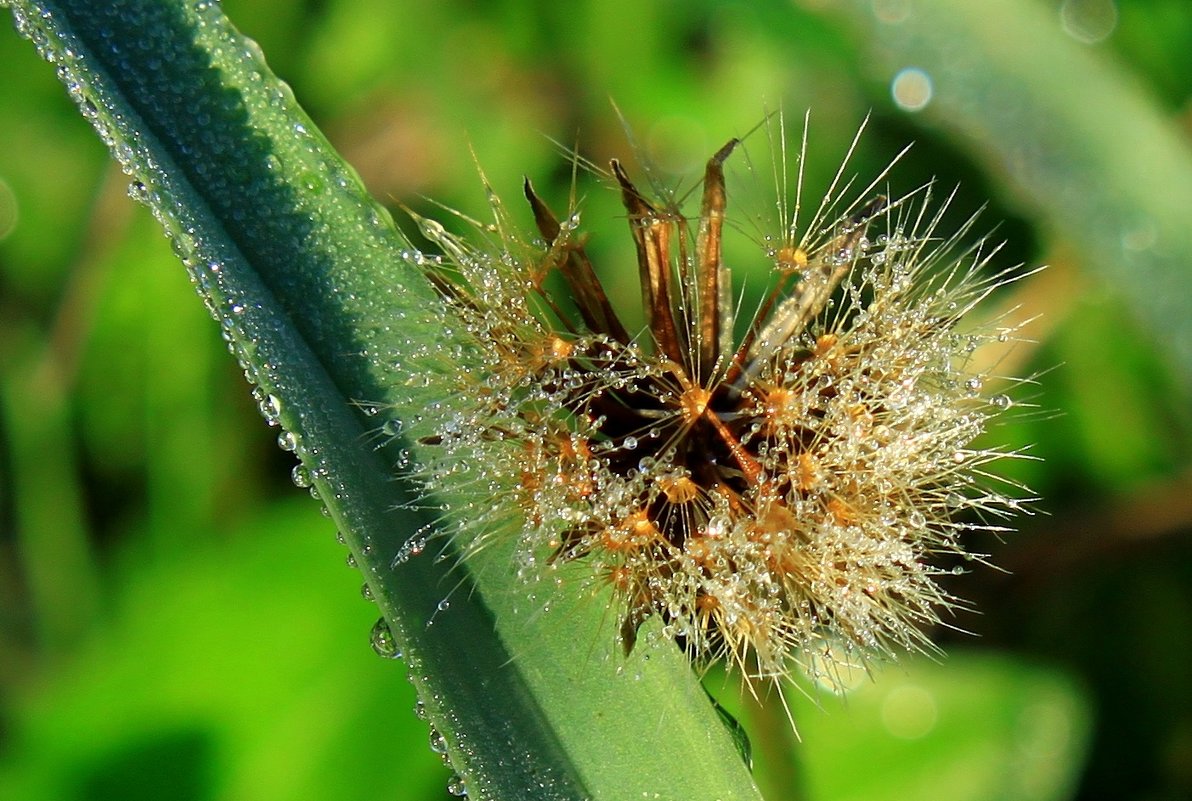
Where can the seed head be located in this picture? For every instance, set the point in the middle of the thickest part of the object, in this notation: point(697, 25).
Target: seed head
point(776, 496)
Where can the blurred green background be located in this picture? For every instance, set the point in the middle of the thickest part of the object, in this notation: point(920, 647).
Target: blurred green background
point(175, 618)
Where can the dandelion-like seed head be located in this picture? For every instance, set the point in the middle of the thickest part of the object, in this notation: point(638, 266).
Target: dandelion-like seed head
point(776, 497)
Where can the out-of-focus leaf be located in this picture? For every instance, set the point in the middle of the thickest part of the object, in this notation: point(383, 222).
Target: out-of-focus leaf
point(164, 697)
point(974, 728)
point(1084, 147)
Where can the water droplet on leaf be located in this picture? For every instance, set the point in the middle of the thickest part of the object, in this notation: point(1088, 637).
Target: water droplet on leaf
point(382, 641)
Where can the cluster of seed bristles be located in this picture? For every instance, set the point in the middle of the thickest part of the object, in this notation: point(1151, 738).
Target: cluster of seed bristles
point(773, 498)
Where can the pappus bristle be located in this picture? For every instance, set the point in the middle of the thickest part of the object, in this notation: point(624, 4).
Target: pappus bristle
point(775, 497)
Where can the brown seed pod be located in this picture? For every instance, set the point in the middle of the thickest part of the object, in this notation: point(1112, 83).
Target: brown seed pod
point(772, 498)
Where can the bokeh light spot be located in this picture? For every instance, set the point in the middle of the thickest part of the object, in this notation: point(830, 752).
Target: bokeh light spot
point(912, 89)
point(1089, 21)
point(909, 712)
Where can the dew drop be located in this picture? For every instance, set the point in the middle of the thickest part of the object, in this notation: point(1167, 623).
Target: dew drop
point(438, 743)
point(287, 441)
point(382, 641)
point(300, 476)
point(366, 592)
point(1002, 402)
point(718, 526)
point(411, 548)
point(270, 409)
point(313, 183)
point(457, 787)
